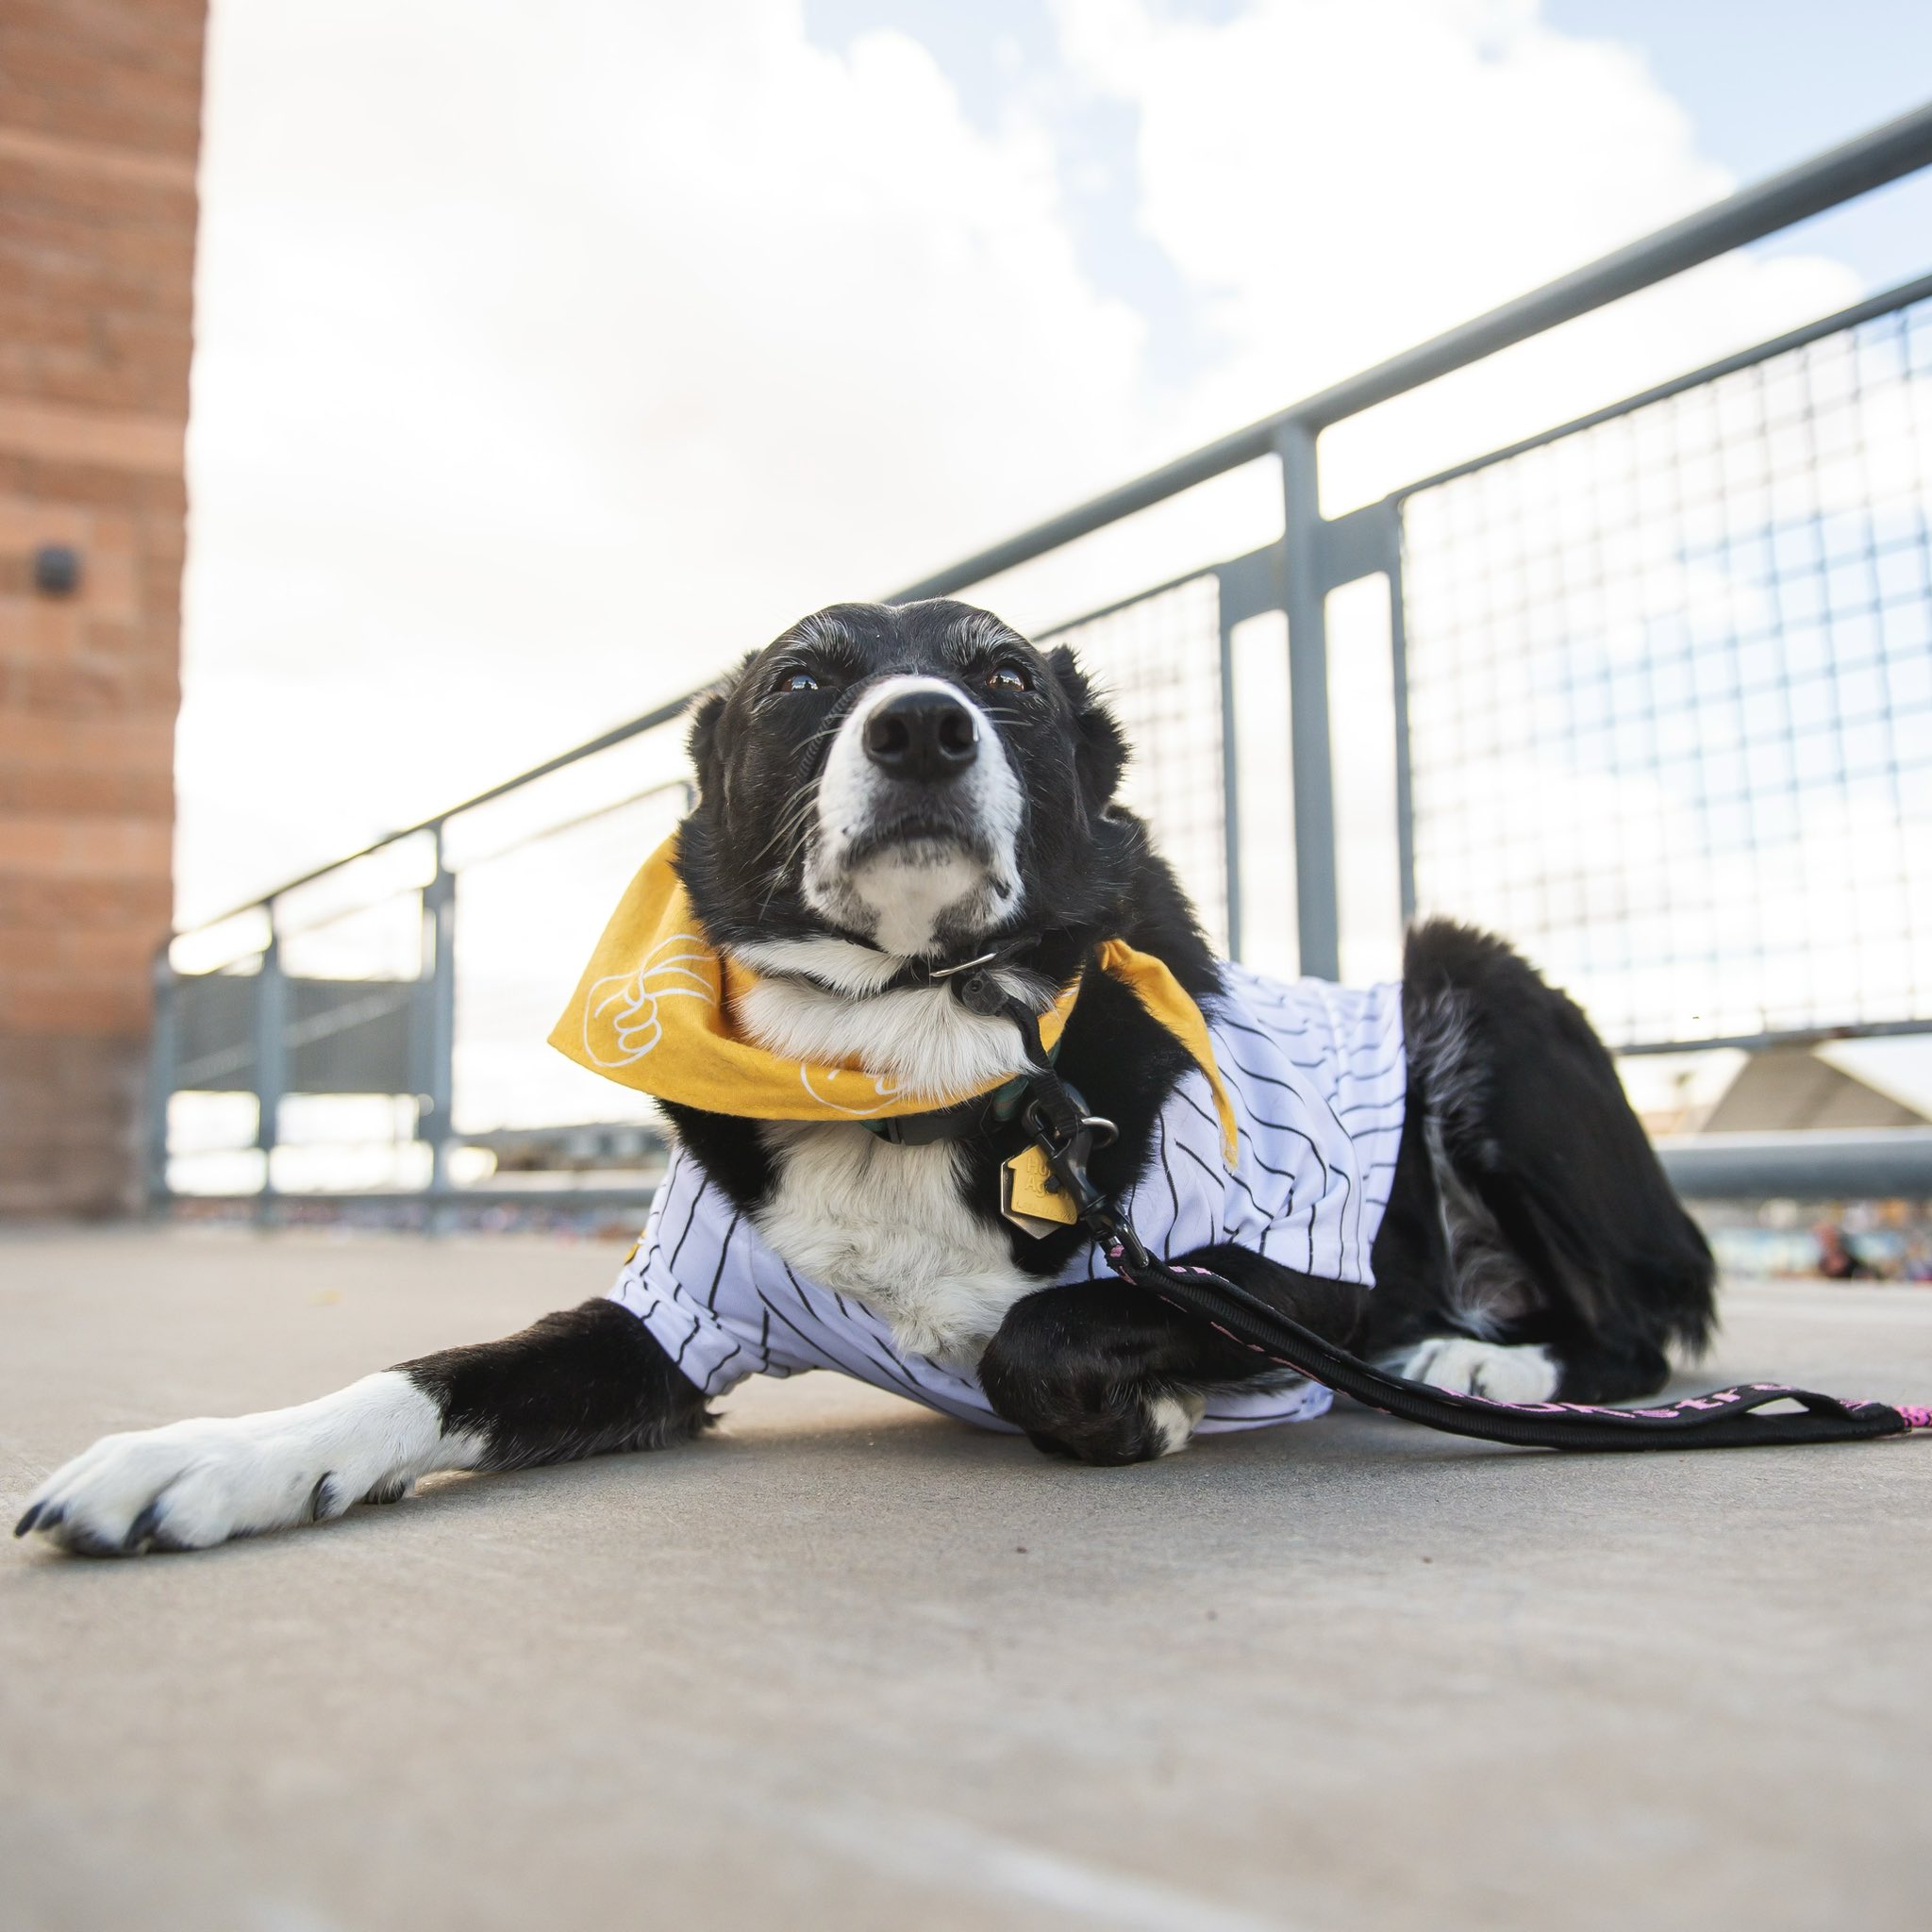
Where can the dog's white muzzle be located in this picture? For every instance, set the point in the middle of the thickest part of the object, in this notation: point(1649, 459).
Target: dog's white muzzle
point(918, 822)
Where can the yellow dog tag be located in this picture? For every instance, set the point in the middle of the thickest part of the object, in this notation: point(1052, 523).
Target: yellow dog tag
point(1032, 1198)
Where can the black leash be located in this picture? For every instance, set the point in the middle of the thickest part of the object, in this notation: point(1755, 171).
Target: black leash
point(1055, 1117)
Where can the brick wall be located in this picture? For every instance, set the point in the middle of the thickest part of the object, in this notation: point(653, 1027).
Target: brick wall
point(100, 115)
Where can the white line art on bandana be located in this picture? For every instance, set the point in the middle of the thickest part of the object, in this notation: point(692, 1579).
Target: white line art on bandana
point(885, 1087)
point(636, 1026)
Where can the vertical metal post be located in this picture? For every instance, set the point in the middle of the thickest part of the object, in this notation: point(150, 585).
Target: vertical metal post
point(439, 938)
point(271, 1056)
point(1230, 782)
point(1398, 654)
point(164, 1056)
point(1318, 911)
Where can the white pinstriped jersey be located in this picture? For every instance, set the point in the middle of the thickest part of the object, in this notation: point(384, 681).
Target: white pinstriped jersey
point(1316, 1075)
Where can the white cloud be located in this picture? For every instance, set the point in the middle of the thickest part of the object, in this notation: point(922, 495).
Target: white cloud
point(1350, 179)
point(1342, 181)
point(551, 357)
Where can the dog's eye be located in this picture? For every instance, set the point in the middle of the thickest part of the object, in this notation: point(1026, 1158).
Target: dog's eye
point(796, 680)
point(1009, 677)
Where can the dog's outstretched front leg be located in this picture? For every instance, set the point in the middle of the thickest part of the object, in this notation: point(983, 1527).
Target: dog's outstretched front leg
point(1106, 1373)
point(575, 1383)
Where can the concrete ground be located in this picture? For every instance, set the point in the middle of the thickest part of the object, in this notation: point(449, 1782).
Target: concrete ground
point(847, 1664)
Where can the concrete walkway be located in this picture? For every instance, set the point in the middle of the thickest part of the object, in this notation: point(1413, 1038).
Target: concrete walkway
point(847, 1664)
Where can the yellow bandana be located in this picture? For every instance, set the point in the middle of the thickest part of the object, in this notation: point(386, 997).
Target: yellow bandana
point(653, 1011)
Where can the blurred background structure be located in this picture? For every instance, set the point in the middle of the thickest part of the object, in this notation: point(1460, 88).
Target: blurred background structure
point(539, 374)
point(100, 124)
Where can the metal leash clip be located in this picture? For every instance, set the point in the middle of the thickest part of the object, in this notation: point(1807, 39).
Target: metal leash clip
point(1065, 1132)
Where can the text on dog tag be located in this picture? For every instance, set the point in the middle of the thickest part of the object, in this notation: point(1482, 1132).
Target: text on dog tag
point(1031, 1198)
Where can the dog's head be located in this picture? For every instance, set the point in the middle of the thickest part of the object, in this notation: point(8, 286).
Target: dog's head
point(916, 777)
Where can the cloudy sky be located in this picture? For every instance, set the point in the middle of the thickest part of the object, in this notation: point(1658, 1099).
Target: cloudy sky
point(549, 356)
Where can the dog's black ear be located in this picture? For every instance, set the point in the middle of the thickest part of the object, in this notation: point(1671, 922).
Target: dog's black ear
point(701, 736)
point(701, 740)
point(1102, 753)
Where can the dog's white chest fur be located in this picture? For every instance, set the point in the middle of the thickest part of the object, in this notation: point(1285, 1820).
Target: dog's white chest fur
point(888, 1226)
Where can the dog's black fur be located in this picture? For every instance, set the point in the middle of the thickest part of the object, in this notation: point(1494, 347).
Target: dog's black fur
point(1527, 1206)
point(1520, 1158)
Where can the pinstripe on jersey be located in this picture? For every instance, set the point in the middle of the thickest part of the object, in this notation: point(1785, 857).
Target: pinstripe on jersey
point(1317, 1078)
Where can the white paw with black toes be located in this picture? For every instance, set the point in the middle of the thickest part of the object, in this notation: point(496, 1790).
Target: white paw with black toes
point(1499, 1373)
point(190, 1485)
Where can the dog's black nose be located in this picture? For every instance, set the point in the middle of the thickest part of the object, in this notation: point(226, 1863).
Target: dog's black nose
point(928, 736)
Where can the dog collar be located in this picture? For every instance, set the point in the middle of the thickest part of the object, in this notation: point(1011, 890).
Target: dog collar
point(965, 1120)
point(960, 975)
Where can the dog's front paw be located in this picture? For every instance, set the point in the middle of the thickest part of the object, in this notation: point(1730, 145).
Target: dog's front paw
point(184, 1487)
point(195, 1484)
point(1129, 1427)
point(1080, 1369)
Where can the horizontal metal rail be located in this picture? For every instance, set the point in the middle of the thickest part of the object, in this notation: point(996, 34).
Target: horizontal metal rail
point(1903, 296)
point(606, 740)
point(1820, 1164)
point(549, 1198)
point(1796, 1036)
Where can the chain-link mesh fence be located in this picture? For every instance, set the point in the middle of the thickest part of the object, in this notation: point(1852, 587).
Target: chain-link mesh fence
point(1670, 696)
point(1158, 662)
point(528, 914)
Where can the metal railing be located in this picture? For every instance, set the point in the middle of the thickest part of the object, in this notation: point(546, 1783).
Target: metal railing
point(1669, 693)
point(1660, 677)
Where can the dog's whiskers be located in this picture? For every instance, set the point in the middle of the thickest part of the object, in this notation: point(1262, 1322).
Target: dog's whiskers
point(796, 809)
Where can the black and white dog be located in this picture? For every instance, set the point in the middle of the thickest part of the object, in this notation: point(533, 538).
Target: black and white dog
point(883, 793)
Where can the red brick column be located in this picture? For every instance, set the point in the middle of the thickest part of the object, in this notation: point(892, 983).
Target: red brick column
point(100, 118)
